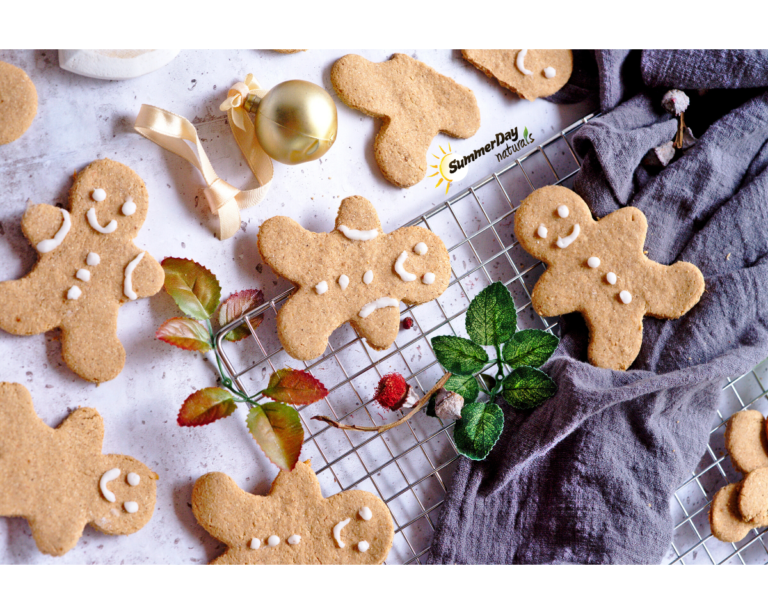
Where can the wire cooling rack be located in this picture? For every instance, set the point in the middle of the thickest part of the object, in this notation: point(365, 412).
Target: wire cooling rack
point(410, 466)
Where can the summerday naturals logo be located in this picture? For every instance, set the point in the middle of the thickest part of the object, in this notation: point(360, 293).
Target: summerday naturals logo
point(452, 166)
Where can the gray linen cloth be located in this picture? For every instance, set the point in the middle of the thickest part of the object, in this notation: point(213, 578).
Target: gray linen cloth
point(588, 476)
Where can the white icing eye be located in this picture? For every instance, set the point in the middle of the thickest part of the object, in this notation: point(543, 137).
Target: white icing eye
point(343, 282)
point(322, 287)
point(550, 72)
point(368, 277)
point(563, 211)
point(593, 262)
point(611, 278)
point(542, 231)
point(255, 544)
point(129, 207)
point(625, 297)
point(363, 546)
point(294, 539)
point(420, 248)
point(273, 540)
point(428, 278)
point(98, 195)
point(133, 479)
point(131, 507)
point(365, 513)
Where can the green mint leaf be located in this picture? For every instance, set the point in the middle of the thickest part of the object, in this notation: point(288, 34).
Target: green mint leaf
point(529, 348)
point(465, 385)
point(478, 430)
point(459, 356)
point(491, 317)
point(194, 288)
point(276, 427)
point(526, 388)
point(431, 404)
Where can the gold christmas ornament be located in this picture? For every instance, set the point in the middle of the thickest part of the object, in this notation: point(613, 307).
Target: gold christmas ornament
point(295, 121)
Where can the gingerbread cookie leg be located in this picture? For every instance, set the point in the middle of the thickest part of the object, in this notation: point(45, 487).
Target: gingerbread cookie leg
point(91, 347)
point(380, 328)
point(56, 535)
point(24, 310)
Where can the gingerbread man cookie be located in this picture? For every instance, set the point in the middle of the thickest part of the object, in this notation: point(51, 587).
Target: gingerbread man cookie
point(18, 102)
point(354, 274)
point(738, 508)
point(414, 101)
point(599, 270)
point(530, 73)
point(88, 267)
point(59, 480)
point(293, 524)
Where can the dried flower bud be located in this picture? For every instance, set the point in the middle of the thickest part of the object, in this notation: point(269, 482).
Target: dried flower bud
point(408, 323)
point(448, 404)
point(394, 393)
point(675, 101)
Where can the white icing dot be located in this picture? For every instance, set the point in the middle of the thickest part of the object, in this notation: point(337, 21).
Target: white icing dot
point(273, 540)
point(420, 248)
point(74, 293)
point(133, 479)
point(542, 231)
point(366, 513)
point(294, 539)
point(83, 275)
point(428, 278)
point(563, 211)
point(593, 262)
point(550, 72)
point(131, 507)
point(255, 544)
point(343, 282)
point(363, 546)
point(368, 277)
point(92, 259)
point(129, 207)
point(625, 297)
point(611, 278)
point(98, 195)
point(322, 287)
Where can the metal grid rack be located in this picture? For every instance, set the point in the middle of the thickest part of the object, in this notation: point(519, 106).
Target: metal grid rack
point(410, 466)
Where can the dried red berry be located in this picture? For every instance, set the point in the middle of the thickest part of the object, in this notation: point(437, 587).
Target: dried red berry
point(394, 393)
point(408, 323)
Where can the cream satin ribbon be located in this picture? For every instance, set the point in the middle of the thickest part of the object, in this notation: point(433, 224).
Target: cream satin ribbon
point(178, 135)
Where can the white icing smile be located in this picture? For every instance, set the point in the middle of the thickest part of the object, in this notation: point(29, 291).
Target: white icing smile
point(49, 245)
point(337, 532)
point(129, 207)
point(108, 476)
point(520, 62)
point(358, 235)
point(566, 241)
point(128, 283)
point(94, 222)
point(400, 268)
point(379, 303)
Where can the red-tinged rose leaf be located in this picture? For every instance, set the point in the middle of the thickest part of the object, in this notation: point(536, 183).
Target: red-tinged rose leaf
point(234, 307)
point(276, 427)
point(294, 387)
point(206, 406)
point(185, 334)
point(194, 288)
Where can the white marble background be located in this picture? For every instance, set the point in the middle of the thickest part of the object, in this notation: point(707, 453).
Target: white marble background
point(81, 119)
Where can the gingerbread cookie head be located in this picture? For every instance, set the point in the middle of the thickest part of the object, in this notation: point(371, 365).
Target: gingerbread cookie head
point(530, 73)
point(18, 102)
point(599, 270)
point(59, 480)
point(415, 103)
point(293, 524)
point(355, 274)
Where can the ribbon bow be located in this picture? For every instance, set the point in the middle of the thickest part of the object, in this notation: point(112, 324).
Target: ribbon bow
point(172, 132)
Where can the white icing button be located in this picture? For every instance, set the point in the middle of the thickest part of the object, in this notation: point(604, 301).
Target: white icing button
point(379, 303)
point(365, 513)
point(74, 293)
point(428, 278)
point(93, 220)
point(337, 531)
point(255, 543)
point(343, 282)
point(550, 72)
point(133, 479)
point(400, 268)
point(611, 278)
point(566, 241)
point(562, 211)
point(83, 275)
point(363, 546)
point(294, 539)
point(368, 277)
point(108, 476)
point(92, 259)
point(48, 245)
point(593, 262)
point(98, 195)
point(420, 248)
point(129, 207)
point(358, 235)
point(322, 287)
point(625, 297)
point(131, 507)
point(520, 62)
point(128, 283)
point(273, 540)
point(542, 231)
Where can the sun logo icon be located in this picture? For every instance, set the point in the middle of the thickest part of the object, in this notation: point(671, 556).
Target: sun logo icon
point(443, 169)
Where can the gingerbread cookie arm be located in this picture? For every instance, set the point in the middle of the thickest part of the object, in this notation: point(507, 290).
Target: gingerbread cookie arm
point(83, 429)
point(356, 80)
point(630, 224)
point(746, 442)
point(555, 295)
point(675, 289)
point(41, 222)
point(222, 508)
point(147, 277)
point(285, 246)
point(91, 347)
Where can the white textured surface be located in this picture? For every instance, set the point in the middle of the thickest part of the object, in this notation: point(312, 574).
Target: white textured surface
point(81, 119)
